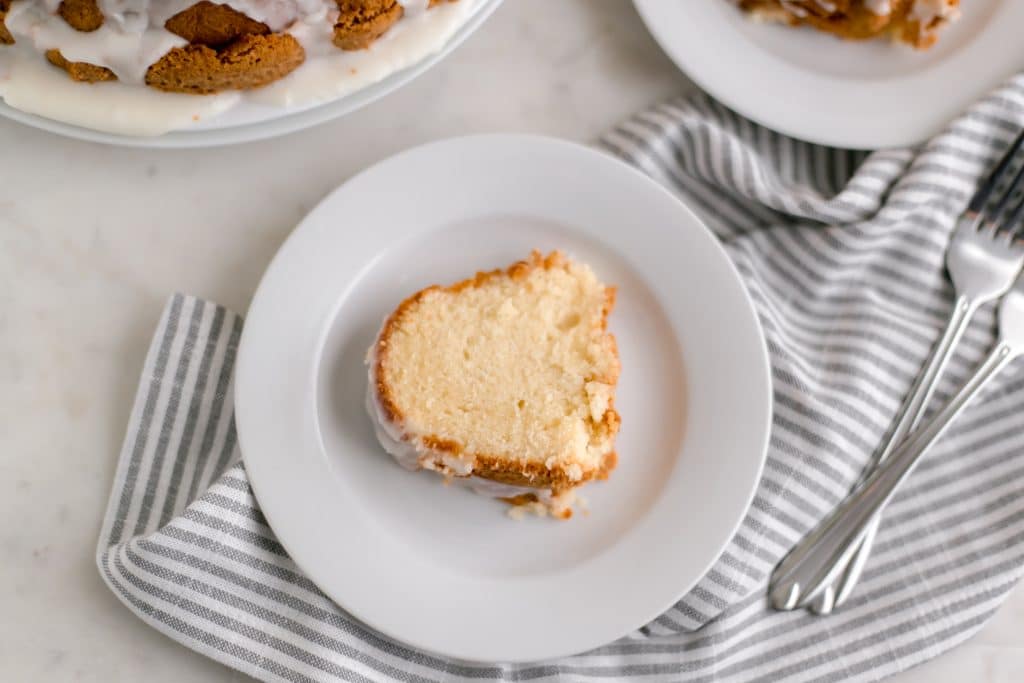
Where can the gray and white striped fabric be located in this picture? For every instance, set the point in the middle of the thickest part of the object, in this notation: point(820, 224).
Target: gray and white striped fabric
point(842, 253)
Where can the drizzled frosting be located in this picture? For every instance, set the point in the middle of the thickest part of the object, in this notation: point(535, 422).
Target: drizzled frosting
point(925, 15)
point(126, 45)
point(924, 11)
point(133, 37)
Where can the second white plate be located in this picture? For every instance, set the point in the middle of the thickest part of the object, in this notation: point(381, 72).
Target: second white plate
point(815, 87)
point(439, 567)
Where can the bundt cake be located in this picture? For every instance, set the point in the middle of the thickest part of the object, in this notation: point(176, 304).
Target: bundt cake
point(207, 47)
point(915, 22)
point(504, 382)
point(187, 46)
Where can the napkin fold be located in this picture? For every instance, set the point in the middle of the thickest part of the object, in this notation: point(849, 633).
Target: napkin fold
point(842, 252)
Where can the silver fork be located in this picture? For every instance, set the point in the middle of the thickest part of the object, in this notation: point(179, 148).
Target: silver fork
point(838, 537)
point(982, 268)
point(982, 262)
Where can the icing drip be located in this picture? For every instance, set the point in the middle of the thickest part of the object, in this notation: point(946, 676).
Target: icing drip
point(128, 53)
point(133, 37)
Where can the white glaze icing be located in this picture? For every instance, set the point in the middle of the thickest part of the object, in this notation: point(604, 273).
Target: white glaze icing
point(882, 8)
point(927, 11)
point(32, 85)
point(793, 8)
point(389, 435)
point(133, 37)
point(128, 53)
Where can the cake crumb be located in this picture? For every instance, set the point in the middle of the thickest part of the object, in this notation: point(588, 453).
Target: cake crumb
point(519, 512)
point(582, 505)
point(559, 506)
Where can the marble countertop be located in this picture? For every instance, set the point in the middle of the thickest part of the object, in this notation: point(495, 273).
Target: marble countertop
point(93, 239)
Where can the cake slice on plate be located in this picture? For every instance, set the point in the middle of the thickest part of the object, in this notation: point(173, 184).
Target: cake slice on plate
point(504, 382)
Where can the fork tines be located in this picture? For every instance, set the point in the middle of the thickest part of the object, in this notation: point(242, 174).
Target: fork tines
point(998, 204)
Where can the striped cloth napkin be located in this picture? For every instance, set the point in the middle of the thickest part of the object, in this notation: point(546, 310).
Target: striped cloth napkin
point(842, 253)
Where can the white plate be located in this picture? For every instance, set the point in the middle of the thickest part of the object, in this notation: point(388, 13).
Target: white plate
point(813, 86)
point(250, 122)
point(437, 566)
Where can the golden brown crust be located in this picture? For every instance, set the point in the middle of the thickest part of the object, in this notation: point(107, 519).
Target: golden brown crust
point(853, 20)
point(5, 36)
point(361, 22)
point(537, 475)
point(495, 467)
point(521, 499)
point(252, 61)
point(80, 71)
point(81, 15)
point(227, 51)
point(213, 25)
point(856, 22)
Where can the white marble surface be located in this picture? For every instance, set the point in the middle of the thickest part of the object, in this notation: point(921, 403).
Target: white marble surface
point(93, 239)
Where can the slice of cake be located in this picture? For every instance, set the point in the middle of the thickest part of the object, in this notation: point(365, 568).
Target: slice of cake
point(915, 22)
point(504, 382)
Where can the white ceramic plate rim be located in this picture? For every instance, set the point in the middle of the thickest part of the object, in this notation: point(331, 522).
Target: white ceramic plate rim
point(287, 122)
point(865, 113)
point(276, 413)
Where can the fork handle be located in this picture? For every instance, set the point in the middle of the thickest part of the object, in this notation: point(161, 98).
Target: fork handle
point(925, 384)
point(823, 553)
point(908, 418)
